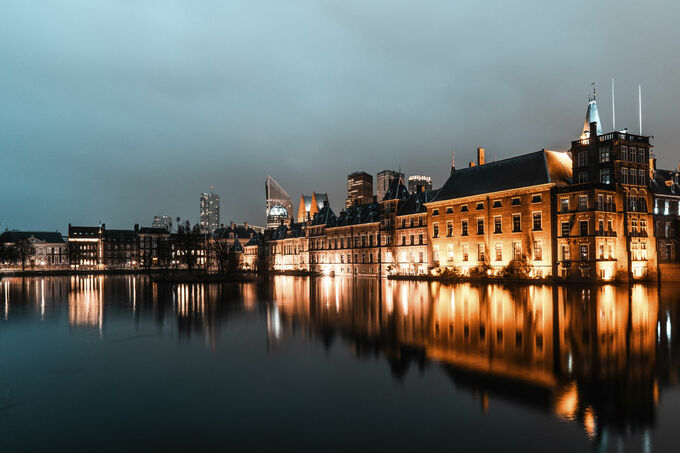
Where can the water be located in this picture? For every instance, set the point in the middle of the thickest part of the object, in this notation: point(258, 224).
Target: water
point(119, 364)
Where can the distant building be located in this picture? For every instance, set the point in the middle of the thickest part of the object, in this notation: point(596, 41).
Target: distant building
point(210, 212)
point(385, 178)
point(47, 249)
point(359, 188)
point(86, 246)
point(121, 248)
point(310, 205)
point(279, 207)
point(162, 221)
point(419, 183)
point(154, 247)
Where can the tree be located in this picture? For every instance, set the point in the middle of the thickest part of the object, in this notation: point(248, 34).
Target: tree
point(24, 249)
point(220, 251)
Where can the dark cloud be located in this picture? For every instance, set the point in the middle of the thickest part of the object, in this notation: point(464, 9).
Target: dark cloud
point(117, 111)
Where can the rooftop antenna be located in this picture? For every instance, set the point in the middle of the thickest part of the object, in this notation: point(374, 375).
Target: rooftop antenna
point(640, 106)
point(613, 108)
point(594, 92)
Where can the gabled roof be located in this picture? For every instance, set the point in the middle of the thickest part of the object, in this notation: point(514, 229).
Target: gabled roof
point(540, 167)
point(50, 237)
point(415, 203)
point(325, 216)
point(666, 183)
point(397, 190)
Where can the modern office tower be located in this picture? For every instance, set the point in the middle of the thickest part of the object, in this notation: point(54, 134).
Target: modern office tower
point(210, 212)
point(279, 207)
point(162, 221)
point(419, 183)
point(359, 188)
point(385, 178)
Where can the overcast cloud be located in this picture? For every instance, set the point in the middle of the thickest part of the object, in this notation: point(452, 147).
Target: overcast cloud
point(120, 110)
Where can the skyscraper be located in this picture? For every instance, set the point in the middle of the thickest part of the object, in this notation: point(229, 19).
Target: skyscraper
point(359, 188)
point(210, 212)
point(279, 207)
point(419, 183)
point(162, 221)
point(385, 178)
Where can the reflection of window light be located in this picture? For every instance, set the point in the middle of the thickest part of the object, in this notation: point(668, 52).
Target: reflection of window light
point(668, 327)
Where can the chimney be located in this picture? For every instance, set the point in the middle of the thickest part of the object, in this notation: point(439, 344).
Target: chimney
point(471, 164)
point(136, 228)
point(593, 131)
point(480, 156)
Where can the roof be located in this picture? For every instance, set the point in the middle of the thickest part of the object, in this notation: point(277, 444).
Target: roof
point(236, 246)
point(540, 167)
point(397, 190)
point(325, 216)
point(121, 235)
point(235, 231)
point(284, 231)
point(152, 230)
point(666, 183)
point(320, 199)
point(358, 214)
point(592, 116)
point(51, 237)
point(257, 239)
point(415, 203)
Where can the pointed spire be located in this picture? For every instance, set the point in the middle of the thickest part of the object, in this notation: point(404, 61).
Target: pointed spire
point(592, 116)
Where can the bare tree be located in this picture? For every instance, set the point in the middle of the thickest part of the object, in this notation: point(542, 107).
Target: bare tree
point(24, 249)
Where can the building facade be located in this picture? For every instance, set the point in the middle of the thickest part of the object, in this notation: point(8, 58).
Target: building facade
point(86, 246)
point(419, 183)
point(279, 207)
point(665, 187)
point(359, 188)
point(384, 180)
point(162, 221)
point(210, 212)
point(43, 250)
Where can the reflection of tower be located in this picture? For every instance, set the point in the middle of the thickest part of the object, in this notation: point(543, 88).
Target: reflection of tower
point(279, 207)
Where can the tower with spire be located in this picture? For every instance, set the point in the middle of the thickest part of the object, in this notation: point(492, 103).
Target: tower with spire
point(592, 116)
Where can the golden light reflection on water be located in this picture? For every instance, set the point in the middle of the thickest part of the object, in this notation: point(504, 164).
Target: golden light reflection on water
point(85, 301)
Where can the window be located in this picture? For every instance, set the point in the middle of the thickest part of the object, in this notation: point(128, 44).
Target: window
point(464, 208)
point(610, 226)
point(583, 252)
point(497, 203)
point(666, 208)
point(583, 202)
point(624, 175)
point(537, 221)
point(497, 225)
point(449, 229)
point(435, 230)
point(600, 202)
point(605, 177)
point(564, 204)
point(517, 250)
point(624, 153)
point(480, 226)
point(466, 252)
point(464, 227)
point(582, 177)
point(435, 212)
point(600, 252)
point(583, 158)
point(516, 223)
point(481, 256)
point(499, 251)
point(435, 253)
point(566, 253)
point(420, 239)
point(536, 198)
point(600, 226)
point(449, 210)
point(516, 201)
point(480, 206)
point(633, 155)
point(583, 227)
point(604, 154)
point(449, 252)
point(642, 177)
point(403, 222)
point(632, 178)
point(538, 250)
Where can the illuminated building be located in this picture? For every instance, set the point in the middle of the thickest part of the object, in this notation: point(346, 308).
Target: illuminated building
point(86, 246)
point(310, 205)
point(47, 249)
point(279, 208)
point(154, 246)
point(121, 248)
point(384, 181)
point(490, 214)
point(359, 188)
point(665, 187)
point(210, 212)
point(162, 221)
point(419, 183)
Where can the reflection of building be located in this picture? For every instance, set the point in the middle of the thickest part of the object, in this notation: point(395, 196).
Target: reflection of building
point(279, 208)
point(359, 188)
point(310, 205)
point(384, 181)
point(47, 249)
point(85, 302)
point(210, 212)
point(419, 183)
point(162, 221)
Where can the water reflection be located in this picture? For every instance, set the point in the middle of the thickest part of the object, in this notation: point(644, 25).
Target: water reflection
point(597, 356)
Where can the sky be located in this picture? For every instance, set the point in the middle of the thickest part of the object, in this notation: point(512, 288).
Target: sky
point(115, 111)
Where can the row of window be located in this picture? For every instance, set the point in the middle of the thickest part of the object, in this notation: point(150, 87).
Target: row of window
point(627, 154)
point(481, 251)
point(537, 225)
point(515, 201)
point(584, 252)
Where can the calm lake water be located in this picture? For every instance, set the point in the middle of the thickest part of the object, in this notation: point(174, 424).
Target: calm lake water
point(121, 364)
